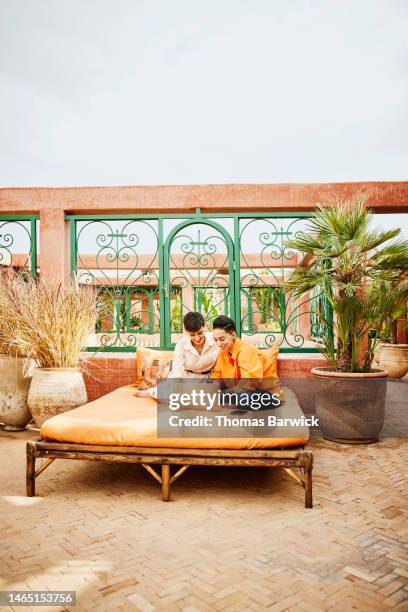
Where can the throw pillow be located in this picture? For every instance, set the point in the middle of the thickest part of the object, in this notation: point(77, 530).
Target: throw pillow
point(151, 365)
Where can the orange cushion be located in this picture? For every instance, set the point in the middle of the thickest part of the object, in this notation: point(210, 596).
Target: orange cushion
point(121, 419)
point(269, 358)
point(271, 383)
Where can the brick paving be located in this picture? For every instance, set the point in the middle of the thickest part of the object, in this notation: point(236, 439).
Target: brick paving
point(231, 539)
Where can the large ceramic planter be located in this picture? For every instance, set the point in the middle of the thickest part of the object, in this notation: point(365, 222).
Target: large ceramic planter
point(15, 379)
point(55, 390)
point(350, 407)
point(394, 359)
point(377, 353)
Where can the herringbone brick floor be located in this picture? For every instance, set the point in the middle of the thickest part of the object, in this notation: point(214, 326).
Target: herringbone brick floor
point(231, 539)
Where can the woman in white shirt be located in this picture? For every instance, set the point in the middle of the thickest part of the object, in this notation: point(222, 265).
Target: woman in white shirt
point(194, 355)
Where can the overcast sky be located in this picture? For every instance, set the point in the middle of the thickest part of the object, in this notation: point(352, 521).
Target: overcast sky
point(110, 92)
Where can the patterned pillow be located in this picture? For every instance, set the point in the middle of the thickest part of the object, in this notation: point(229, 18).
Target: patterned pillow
point(151, 365)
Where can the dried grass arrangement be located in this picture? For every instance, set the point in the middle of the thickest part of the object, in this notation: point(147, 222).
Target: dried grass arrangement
point(46, 321)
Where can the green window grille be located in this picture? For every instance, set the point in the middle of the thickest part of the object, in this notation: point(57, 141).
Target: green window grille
point(127, 310)
point(152, 269)
point(18, 242)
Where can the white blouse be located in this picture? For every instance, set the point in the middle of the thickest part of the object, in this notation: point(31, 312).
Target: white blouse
point(188, 363)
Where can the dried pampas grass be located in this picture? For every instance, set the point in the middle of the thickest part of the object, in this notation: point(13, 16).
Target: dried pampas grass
point(44, 320)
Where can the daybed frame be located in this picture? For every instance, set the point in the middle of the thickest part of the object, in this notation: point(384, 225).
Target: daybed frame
point(294, 457)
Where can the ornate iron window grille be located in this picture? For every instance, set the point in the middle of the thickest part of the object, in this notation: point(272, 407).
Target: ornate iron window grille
point(203, 262)
point(18, 242)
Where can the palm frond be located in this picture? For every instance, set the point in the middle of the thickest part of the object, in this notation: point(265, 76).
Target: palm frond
point(376, 238)
point(304, 279)
point(394, 255)
point(306, 243)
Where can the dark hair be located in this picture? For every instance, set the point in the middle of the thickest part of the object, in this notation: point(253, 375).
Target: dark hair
point(225, 323)
point(193, 321)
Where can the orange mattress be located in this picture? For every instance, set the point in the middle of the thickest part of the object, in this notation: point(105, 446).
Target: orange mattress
point(121, 419)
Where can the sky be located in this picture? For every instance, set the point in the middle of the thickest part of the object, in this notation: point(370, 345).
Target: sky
point(128, 92)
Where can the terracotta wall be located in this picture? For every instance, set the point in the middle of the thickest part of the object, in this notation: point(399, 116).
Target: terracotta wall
point(108, 371)
point(382, 196)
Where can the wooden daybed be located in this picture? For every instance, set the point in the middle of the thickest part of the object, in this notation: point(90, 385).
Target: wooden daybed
point(120, 427)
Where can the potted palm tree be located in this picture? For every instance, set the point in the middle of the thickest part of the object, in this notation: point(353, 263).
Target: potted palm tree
point(345, 258)
point(49, 323)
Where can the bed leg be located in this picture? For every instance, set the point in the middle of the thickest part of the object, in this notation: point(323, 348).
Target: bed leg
point(30, 469)
point(166, 482)
point(308, 467)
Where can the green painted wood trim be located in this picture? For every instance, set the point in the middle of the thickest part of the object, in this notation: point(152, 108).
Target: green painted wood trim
point(162, 290)
point(111, 349)
point(19, 217)
point(33, 246)
point(123, 349)
point(250, 297)
point(237, 276)
point(73, 247)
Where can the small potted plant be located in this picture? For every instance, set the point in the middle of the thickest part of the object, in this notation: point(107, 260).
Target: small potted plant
point(344, 259)
point(390, 355)
point(49, 323)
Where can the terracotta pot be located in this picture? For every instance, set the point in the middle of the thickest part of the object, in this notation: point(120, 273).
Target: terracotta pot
point(15, 379)
point(377, 353)
point(55, 390)
point(394, 358)
point(350, 407)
